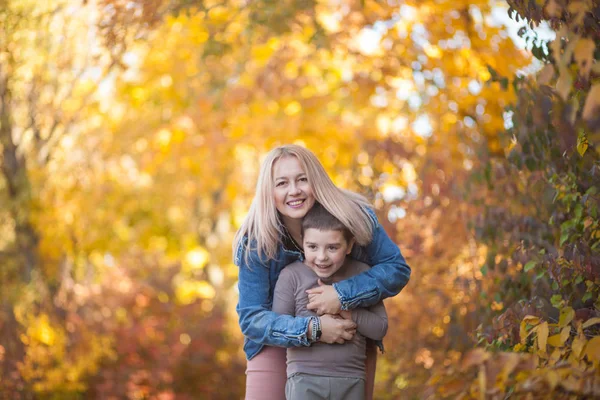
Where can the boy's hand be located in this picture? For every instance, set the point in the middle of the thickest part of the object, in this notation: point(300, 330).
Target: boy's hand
point(336, 330)
point(323, 300)
point(346, 314)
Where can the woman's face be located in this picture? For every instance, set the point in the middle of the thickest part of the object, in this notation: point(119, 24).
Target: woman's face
point(292, 191)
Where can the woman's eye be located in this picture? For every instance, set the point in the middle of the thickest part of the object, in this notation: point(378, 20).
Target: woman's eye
point(332, 248)
point(312, 247)
point(281, 183)
point(303, 179)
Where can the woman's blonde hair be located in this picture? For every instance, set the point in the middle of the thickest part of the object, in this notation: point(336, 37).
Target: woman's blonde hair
point(263, 227)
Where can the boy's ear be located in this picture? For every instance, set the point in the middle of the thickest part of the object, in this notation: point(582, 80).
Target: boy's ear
point(350, 244)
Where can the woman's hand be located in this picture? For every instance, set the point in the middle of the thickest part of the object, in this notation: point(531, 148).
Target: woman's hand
point(335, 329)
point(323, 300)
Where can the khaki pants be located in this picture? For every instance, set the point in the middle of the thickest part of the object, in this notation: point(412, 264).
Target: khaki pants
point(313, 387)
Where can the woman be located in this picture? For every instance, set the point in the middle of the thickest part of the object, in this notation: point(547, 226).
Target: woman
point(290, 181)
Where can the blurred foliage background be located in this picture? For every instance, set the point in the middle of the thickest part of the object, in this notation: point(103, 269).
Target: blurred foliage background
point(131, 134)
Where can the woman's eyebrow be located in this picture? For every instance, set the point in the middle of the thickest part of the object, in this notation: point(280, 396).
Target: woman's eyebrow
point(286, 177)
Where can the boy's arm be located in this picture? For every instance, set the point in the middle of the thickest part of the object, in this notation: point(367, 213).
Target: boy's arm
point(372, 322)
point(284, 297)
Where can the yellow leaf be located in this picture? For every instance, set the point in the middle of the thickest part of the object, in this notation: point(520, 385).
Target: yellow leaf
point(545, 75)
point(205, 290)
point(564, 83)
point(592, 103)
point(528, 319)
point(572, 383)
point(510, 362)
point(566, 316)
point(197, 257)
point(559, 339)
point(582, 143)
point(553, 9)
point(590, 322)
point(542, 336)
point(474, 357)
point(531, 319)
point(592, 350)
point(564, 334)
point(584, 56)
point(554, 340)
point(481, 377)
point(552, 378)
point(577, 346)
point(523, 332)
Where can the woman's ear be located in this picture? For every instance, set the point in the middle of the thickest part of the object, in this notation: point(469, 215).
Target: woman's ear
point(350, 244)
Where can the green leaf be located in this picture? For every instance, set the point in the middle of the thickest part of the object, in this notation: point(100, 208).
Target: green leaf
point(493, 73)
point(484, 270)
point(530, 265)
point(564, 237)
point(540, 274)
point(578, 211)
point(556, 300)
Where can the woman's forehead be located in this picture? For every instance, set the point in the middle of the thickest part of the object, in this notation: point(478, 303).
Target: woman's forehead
point(287, 166)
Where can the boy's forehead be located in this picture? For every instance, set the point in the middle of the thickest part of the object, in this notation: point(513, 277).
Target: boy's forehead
point(323, 235)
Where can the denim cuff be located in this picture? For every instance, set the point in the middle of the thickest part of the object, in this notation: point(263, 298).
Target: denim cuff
point(344, 304)
point(349, 303)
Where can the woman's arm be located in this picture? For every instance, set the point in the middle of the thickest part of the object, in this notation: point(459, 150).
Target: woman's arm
point(256, 319)
point(386, 278)
point(264, 326)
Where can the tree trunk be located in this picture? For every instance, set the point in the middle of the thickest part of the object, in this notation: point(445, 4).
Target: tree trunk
point(14, 169)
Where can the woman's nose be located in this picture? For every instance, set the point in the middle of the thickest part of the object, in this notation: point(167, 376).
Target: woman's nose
point(294, 189)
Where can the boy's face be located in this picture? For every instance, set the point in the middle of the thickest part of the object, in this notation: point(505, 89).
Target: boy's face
point(325, 251)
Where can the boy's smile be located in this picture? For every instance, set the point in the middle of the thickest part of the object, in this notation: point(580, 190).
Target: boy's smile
point(325, 251)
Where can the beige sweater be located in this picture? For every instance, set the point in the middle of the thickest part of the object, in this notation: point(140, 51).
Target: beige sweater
point(340, 360)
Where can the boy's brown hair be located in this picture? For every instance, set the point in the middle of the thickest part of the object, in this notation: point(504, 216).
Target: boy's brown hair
point(319, 218)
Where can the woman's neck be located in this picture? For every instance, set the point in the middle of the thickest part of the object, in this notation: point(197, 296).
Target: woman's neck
point(294, 227)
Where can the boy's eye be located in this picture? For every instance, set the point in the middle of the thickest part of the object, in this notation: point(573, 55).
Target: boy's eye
point(333, 248)
point(311, 246)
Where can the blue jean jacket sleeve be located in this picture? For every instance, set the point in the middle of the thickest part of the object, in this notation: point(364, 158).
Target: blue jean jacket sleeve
point(257, 321)
point(389, 272)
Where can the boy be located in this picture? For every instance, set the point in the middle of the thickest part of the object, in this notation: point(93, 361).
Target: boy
point(324, 371)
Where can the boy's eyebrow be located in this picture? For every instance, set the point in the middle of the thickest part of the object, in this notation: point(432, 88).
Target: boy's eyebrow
point(326, 244)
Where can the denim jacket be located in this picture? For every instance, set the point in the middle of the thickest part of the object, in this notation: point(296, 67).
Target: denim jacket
point(389, 273)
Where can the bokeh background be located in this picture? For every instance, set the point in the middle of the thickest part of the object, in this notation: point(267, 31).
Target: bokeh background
point(131, 133)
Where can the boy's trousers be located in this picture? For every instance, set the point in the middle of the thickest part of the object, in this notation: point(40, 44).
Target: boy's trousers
point(313, 387)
